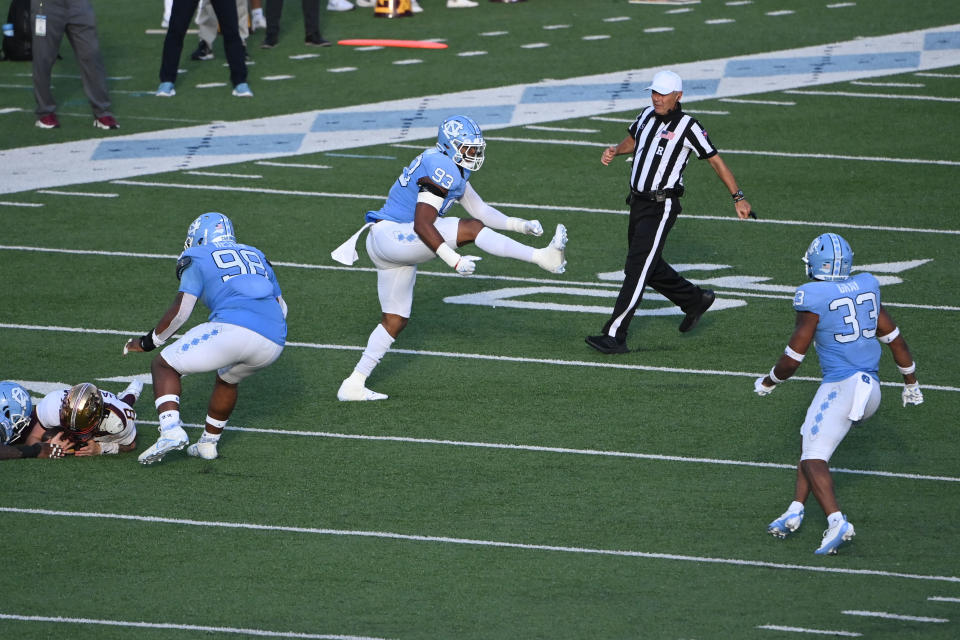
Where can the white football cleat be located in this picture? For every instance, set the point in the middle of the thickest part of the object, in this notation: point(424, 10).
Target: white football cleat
point(205, 450)
point(834, 537)
point(353, 390)
point(170, 440)
point(552, 257)
point(785, 524)
point(135, 388)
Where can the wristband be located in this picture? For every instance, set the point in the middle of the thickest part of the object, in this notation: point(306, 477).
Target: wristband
point(774, 378)
point(448, 255)
point(30, 451)
point(738, 196)
point(150, 341)
point(908, 370)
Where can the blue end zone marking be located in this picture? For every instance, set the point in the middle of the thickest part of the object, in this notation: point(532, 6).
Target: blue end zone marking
point(399, 120)
point(603, 92)
point(946, 40)
point(816, 64)
point(216, 146)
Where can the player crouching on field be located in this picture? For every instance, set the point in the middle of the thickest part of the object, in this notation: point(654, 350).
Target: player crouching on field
point(842, 315)
point(245, 332)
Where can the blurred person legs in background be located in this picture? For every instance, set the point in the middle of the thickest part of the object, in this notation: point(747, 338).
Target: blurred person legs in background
point(51, 19)
point(180, 17)
point(207, 27)
point(311, 23)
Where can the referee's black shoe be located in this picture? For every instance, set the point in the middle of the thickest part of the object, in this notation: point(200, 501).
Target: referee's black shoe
point(606, 344)
point(693, 316)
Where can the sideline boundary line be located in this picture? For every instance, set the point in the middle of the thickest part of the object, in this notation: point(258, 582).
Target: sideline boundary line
point(389, 535)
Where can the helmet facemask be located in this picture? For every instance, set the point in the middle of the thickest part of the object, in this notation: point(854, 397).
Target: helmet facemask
point(460, 138)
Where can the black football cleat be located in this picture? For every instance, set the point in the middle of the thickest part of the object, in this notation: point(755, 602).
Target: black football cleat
point(693, 316)
point(606, 344)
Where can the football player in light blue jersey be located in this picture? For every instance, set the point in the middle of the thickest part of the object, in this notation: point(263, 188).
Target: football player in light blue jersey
point(843, 317)
point(412, 227)
point(245, 332)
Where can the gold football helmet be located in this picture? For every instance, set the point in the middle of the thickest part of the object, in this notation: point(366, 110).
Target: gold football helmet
point(82, 410)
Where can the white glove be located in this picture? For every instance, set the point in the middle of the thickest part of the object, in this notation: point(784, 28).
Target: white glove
point(762, 389)
point(912, 394)
point(528, 227)
point(533, 228)
point(467, 265)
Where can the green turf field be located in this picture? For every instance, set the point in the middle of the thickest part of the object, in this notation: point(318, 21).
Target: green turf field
point(517, 484)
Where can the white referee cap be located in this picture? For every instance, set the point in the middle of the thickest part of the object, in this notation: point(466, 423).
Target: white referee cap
point(666, 82)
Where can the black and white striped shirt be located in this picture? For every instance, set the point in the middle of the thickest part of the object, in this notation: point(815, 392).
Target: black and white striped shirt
point(664, 144)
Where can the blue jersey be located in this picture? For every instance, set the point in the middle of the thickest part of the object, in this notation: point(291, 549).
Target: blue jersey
point(846, 337)
point(431, 165)
point(237, 284)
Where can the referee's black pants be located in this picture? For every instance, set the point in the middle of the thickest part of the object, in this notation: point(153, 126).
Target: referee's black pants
point(650, 223)
point(181, 14)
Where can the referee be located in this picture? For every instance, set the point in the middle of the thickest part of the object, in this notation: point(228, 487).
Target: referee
point(661, 139)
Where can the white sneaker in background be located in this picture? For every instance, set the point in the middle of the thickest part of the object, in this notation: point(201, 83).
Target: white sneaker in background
point(339, 5)
point(414, 6)
point(460, 4)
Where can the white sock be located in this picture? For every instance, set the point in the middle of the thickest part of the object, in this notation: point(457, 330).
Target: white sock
point(498, 244)
point(795, 507)
point(210, 437)
point(169, 419)
point(377, 345)
point(834, 518)
point(257, 13)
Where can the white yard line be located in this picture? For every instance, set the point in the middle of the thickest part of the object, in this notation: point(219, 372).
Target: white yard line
point(387, 535)
point(81, 194)
point(821, 632)
point(893, 616)
point(518, 205)
point(732, 292)
point(482, 356)
point(630, 455)
point(262, 633)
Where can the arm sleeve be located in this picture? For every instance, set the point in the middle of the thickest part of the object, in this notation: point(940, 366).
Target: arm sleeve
point(187, 303)
point(480, 210)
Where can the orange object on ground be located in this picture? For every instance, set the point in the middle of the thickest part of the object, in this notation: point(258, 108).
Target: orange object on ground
point(379, 42)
